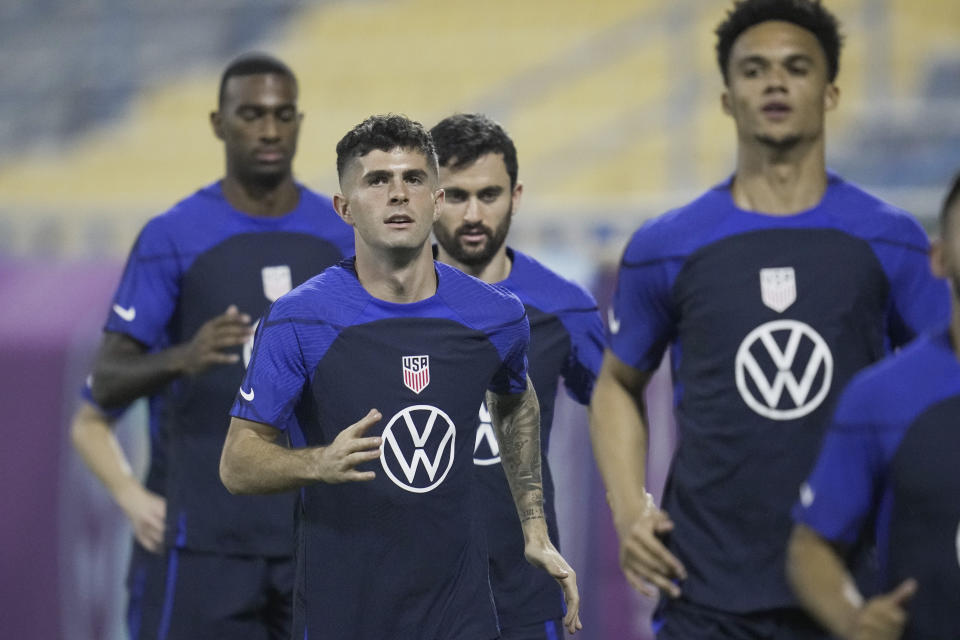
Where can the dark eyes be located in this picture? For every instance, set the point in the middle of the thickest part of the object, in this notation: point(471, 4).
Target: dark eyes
point(487, 197)
point(797, 69)
point(249, 114)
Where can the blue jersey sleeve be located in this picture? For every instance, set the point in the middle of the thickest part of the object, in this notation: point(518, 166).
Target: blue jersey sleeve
point(513, 342)
point(642, 321)
point(149, 287)
point(87, 394)
point(276, 375)
point(919, 301)
point(840, 494)
point(586, 353)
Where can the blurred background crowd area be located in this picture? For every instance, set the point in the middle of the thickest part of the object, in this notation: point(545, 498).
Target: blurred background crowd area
point(615, 110)
point(614, 105)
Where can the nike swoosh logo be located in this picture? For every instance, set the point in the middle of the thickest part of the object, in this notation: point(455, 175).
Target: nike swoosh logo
point(246, 396)
point(126, 314)
point(613, 322)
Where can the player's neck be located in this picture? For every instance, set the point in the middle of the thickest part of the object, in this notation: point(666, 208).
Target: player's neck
point(400, 277)
point(496, 270)
point(263, 200)
point(779, 182)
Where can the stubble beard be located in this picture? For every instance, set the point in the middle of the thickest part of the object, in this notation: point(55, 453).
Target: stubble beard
point(474, 257)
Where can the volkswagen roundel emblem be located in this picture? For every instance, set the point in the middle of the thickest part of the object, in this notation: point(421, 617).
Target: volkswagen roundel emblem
point(418, 448)
point(784, 356)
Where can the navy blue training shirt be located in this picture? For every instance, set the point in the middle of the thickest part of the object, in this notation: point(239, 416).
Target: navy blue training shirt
point(891, 456)
point(566, 340)
point(187, 266)
point(403, 556)
point(767, 318)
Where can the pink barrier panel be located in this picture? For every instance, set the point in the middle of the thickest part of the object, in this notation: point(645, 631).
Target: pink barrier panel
point(51, 318)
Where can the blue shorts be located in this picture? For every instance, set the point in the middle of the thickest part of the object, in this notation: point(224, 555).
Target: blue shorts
point(547, 630)
point(144, 587)
point(684, 620)
point(207, 595)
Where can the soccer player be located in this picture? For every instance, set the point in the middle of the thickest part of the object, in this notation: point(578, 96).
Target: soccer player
point(91, 431)
point(181, 319)
point(377, 366)
point(890, 458)
point(478, 175)
point(771, 289)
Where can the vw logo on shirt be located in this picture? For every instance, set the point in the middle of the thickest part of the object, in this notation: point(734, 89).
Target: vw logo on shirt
point(784, 356)
point(418, 448)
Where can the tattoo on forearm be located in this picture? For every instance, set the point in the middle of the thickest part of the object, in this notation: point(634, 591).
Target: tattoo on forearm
point(516, 420)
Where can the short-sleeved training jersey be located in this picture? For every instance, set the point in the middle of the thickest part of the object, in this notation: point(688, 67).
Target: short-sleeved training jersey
point(892, 453)
point(566, 340)
point(187, 266)
point(768, 317)
point(403, 556)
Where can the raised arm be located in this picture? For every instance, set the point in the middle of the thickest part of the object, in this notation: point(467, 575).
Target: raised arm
point(125, 370)
point(619, 432)
point(516, 421)
point(825, 588)
point(253, 463)
point(91, 432)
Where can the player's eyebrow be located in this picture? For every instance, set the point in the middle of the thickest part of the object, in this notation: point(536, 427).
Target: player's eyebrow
point(415, 173)
point(455, 192)
point(764, 61)
point(378, 174)
point(492, 190)
point(754, 59)
point(799, 57)
point(266, 107)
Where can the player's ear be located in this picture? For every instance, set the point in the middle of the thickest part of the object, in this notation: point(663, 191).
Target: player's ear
point(725, 102)
point(831, 97)
point(342, 207)
point(216, 122)
point(516, 196)
point(938, 259)
point(439, 196)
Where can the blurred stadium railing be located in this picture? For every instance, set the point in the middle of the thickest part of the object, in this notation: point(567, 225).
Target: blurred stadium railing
point(614, 105)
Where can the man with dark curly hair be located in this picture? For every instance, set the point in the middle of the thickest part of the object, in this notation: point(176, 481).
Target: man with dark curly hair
point(771, 289)
point(478, 173)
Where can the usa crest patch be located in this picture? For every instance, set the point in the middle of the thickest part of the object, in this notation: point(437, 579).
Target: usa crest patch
point(416, 372)
point(778, 288)
point(277, 281)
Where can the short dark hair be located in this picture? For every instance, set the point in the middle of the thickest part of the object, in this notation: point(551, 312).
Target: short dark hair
point(464, 137)
point(806, 14)
point(253, 63)
point(948, 212)
point(385, 133)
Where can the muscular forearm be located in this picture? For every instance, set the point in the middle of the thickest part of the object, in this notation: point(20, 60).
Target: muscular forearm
point(252, 463)
point(821, 582)
point(124, 372)
point(618, 432)
point(516, 420)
